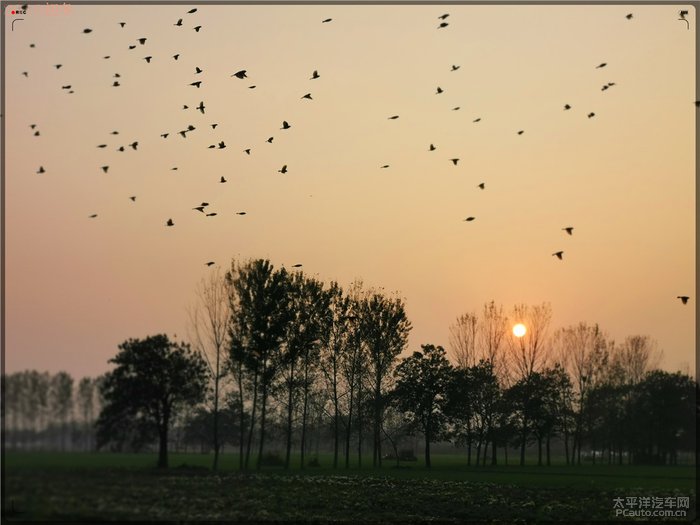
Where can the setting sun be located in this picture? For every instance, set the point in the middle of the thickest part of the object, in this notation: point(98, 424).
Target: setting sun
point(519, 330)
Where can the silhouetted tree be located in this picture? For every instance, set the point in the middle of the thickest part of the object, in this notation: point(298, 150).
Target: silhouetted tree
point(421, 391)
point(153, 379)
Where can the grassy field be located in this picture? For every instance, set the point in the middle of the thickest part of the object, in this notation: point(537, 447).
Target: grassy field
point(92, 486)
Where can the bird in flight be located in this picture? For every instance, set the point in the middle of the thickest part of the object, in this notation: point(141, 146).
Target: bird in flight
point(87, 30)
point(41, 169)
point(432, 147)
point(240, 213)
point(197, 28)
point(134, 145)
point(326, 20)
point(105, 168)
point(559, 255)
point(178, 23)
point(566, 107)
point(133, 198)
point(469, 219)
point(194, 10)
point(521, 132)
point(285, 125)
point(454, 161)
point(209, 263)
point(170, 223)
point(591, 115)
point(296, 266)
point(283, 170)
point(199, 208)
point(629, 16)
point(240, 74)
point(393, 117)
point(315, 75)
point(222, 180)
point(122, 24)
point(270, 140)
point(385, 166)
point(92, 216)
point(213, 126)
point(201, 108)
point(212, 214)
point(454, 68)
point(444, 24)
point(247, 150)
point(148, 59)
point(222, 145)
point(196, 84)
point(601, 65)
point(439, 90)
point(165, 135)
point(308, 95)
point(477, 120)
point(197, 70)
point(142, 41)
point(58, 66)
point(683, 298)
point(482, 185)
point(176, 56)
point(569, 230)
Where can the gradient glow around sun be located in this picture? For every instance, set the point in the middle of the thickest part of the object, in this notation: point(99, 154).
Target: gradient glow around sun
point(519, 330)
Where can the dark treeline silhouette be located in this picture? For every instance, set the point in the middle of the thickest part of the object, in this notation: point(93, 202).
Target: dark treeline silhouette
point(281, 362)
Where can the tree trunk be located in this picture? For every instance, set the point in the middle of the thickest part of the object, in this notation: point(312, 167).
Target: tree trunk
point(336, 428)
point(163, 441)
point(252, 419)
point(549, 437)
point(290, 411)
point(348, 431)
point(215, 466)
point(427, 444)
point(539, 450)
point(262, 424)
point(303, 421)
point(523, 438)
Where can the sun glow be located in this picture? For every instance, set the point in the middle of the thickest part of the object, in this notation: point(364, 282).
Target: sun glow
point(519, 330)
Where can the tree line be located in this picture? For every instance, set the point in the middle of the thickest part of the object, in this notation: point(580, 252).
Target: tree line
point(281, 361)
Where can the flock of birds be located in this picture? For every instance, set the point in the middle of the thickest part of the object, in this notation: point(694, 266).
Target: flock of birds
point(243, 75)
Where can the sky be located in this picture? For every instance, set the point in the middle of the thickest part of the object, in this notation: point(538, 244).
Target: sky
point(625, 178)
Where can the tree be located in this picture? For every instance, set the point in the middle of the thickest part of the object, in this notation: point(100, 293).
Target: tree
point(530, 353)
point(61, 395)
point(153, 380)
point(209, 323)
point(463, 338)
point(385, 328)
point(258, 331)
point(421, 391)
point(86, 405)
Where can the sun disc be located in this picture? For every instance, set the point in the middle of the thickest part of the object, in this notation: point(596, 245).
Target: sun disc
point(519, 330)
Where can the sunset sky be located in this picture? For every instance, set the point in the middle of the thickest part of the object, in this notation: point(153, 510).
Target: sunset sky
point(625, 179)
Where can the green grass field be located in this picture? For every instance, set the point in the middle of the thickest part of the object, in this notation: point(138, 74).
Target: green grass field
point(92, 486)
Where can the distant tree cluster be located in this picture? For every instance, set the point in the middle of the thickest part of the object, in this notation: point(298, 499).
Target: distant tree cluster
point(280, 362)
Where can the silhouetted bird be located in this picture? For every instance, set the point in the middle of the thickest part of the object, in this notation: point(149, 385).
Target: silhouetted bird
point(204, 204)
point(521, 132)
point(569, 230)
point(285, 125)
point(197, 28)
point(210, 263)
point(247, 150)
point(308, 95)
point(270, 140)
point(142, 41)
point(165, 135)
point(283, 170)
point(559, 255)
point(178, 23)
point(194, 10)
point(314, 75)
point(115, 133)
point(201, 108)
point(454, 68)
point(469, 219)
point(148, 59)
point(25, 73)
point(185, 106)
point(41, 169)
point(629, 16)
point(444, 24)
point(482, 185)
point(199, 208)
point(683, 298)
point(385, 166)
point(454, 161)
point(456, 108)
point(87, 30)
point(197, 70)
point(36, 133)
point(133, 198)
point(132, 47)
point(439, 90)
point(32, 126)
point(116, 84)
point(240, 74)
point(222, 145)
point(58, 66)
point(222, 180)
point(296, 266)
point(105, 168)
point(566, 106)
point(394, 117)
point(170, 223)
point(212, 214)
point(326, 20)
point(477, 120)
point(92, 216)
point(66, 87)
point(102, 145)
point(213, 126)
point(240, 213)
point(176, 56)
point(196, 84)
point(591, 115)
point(211, 146)
point(442, 17)
point(601, 65)
point(122, 24)
point(120, 148)
point(432, 147)
point(251, 87)
point(134, 145)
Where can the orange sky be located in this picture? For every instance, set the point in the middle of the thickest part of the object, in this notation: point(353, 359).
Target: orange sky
point(625, 178)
